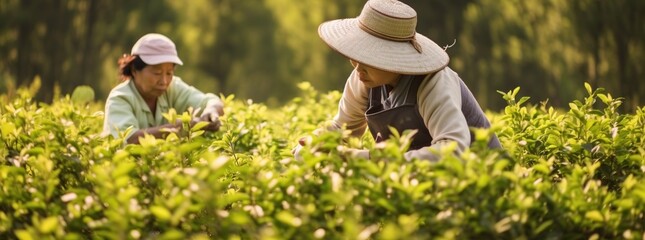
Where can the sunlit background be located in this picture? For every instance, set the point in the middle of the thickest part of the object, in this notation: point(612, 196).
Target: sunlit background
point(260, 49)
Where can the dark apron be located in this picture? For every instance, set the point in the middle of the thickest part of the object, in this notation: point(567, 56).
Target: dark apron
point(408, 117)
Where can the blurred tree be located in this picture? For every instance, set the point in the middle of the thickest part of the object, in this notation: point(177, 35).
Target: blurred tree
point(118, 25)
point(260, 49)
point(519, 43)
point(441, 21)
point(305, 56)
point(245, 55)
point(67, 44)
point(196, 32)
point(612, 34)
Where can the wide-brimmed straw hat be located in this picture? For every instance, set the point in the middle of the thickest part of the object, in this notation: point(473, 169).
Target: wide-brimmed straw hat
point(384, 36)
point(154, 48)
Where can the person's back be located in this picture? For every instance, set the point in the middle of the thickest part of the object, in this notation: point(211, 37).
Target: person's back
point(400, 80)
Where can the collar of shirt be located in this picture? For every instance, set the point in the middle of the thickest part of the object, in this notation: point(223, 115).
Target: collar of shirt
point(162, 106)
point(398, 95)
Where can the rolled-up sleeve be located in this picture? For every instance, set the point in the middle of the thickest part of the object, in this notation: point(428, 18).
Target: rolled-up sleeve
point(352, 106)
point(439, 101)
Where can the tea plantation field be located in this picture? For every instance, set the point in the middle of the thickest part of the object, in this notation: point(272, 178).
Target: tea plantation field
point(576, 173)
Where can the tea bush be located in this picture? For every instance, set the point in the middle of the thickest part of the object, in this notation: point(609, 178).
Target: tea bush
point(563, 174)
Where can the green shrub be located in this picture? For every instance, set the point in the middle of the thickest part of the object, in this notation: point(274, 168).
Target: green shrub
point(563, 174)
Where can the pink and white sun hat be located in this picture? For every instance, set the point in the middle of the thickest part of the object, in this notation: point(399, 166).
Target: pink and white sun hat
point(154, 48)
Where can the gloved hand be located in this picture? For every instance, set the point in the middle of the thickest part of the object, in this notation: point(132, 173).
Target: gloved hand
point(301, 143)
point(210, 127)
point(214, 108)
point(353, 152)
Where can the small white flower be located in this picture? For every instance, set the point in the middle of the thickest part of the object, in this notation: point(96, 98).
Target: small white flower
point(319, 233)
point(297, 221)
point(186, 193)
point(367, 232)
point(66, 122)
point(135, 234)
point(89, 200)
point(134, 205)
point(444, 214)
point(68, 197)
point(414, 182)
point(286, 205)
point(255, 210)
point(336, 181)
point(222, 213)
point(190, 171)
point(291, 189)
point(219, 162)
point(394, 176)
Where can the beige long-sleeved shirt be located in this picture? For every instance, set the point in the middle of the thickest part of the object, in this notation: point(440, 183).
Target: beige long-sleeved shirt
point(439, 101)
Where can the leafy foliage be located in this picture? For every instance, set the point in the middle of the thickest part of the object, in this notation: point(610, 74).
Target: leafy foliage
point(570, 174)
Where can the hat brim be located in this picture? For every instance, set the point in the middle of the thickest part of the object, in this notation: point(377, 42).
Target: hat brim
point(346, 37)
point(158, 59)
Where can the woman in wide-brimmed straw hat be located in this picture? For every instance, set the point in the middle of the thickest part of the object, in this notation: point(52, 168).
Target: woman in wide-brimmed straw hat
point(400, 79)
point(149, 88)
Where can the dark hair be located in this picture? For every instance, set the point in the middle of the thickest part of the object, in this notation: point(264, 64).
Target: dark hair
point(128, 63)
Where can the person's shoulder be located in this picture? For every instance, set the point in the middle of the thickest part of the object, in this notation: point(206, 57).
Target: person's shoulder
point(444, 73)
point(177, 81)
point(177, 85)
point(448, 70)
point(438, 80)
point(124, 89)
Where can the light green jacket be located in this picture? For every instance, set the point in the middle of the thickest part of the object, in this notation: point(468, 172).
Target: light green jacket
point(126, 108)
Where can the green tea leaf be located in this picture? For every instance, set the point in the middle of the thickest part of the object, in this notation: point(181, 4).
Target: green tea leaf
point(24, 235)
point(594, 215)
point(161, 213)
point(48, 225)
point(287, 218)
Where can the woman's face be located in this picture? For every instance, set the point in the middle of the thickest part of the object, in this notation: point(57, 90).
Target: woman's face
point(373, 77)
point(153, 80)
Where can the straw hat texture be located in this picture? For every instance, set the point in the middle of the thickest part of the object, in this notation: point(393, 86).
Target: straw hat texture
point(384, 36)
